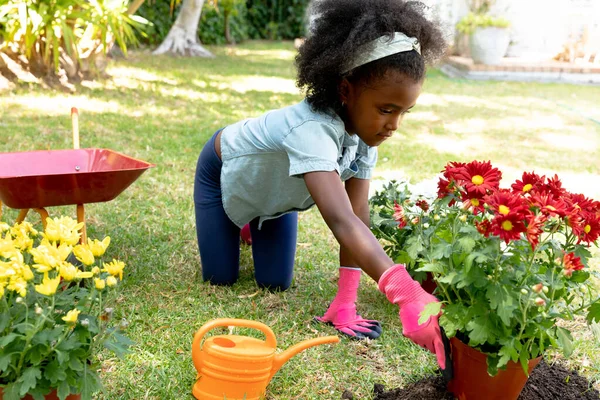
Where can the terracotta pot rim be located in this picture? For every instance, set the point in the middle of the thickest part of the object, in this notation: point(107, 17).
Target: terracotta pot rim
point(479, 355)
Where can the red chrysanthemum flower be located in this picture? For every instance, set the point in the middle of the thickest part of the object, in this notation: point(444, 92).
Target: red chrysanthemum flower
point(534, 229)
point(422, 204)
point(478, 177)
point(473, 203)
point(444, 188)
point(577, 203)
point(571, 263)
point(507, 203)
point(549, 205)
point(484, 227)
point(530, 182)
point(586, 226)
point(451, 169)
point(553, 186)
point(399, 215)
point(508, 227)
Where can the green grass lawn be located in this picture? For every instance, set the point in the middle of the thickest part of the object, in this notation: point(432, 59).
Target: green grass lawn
point(163, 110)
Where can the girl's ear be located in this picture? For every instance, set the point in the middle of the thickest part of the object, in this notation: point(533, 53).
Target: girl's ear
point(344, 90)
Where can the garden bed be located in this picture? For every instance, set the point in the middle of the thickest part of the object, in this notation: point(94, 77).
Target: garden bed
point(547, 382)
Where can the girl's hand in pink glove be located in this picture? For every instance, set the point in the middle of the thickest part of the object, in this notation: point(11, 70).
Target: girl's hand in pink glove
point(402, 290)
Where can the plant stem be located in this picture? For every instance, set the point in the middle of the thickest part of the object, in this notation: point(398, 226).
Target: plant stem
point(39, 323)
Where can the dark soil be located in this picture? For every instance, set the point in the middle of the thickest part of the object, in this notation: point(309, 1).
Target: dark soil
point(547, 382)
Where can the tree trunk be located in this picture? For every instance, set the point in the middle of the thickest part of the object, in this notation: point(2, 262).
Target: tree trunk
point(228, 37)
point(183, 37)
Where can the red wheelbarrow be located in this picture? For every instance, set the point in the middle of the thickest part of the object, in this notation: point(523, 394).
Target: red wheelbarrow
point(38, 179)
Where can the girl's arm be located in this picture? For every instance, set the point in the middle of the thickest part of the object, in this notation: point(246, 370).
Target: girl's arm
point(354, 236)
point(358, 194)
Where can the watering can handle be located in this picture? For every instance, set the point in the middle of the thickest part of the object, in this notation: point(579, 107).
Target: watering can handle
point(270, 336)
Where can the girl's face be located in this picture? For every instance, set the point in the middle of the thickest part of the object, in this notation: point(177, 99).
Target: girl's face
point(375, 110)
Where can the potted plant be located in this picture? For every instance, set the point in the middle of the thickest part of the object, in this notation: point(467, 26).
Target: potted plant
point(390, 210)
point(54, 317)
point(488, 35)
point(510, 264)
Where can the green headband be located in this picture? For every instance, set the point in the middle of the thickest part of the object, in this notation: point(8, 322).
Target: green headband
point(382, 47)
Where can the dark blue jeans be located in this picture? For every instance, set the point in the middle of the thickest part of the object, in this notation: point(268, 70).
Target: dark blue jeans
point(273, 246)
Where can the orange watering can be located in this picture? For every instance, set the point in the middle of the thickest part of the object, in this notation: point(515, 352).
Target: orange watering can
point(237, 367)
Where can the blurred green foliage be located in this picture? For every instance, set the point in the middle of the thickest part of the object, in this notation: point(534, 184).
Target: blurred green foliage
point(255, 19)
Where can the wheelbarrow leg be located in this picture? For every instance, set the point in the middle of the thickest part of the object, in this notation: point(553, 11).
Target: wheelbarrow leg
point(81, 218)
point(42, 211)
point(43, 215)
point(22, 215)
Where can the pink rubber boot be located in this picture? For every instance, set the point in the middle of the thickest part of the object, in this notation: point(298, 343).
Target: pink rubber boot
point(342, 311)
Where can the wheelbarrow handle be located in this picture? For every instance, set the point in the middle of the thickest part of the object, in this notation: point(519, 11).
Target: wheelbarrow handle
point(75, 122)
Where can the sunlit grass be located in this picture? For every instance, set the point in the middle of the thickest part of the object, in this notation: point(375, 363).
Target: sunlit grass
point(163, 110)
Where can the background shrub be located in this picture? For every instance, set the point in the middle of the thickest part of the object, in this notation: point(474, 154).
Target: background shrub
point(256, 19)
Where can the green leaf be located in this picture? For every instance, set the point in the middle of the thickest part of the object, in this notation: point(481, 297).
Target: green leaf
point(90, 383)
point(466, 243)
point(593, 313)
point(579, 276)
point(63, 390)
point(430, 309)
point(8, 339)
point(118, 343)
point(75, 364)
point(4, 321)
point(5, 361)
point(524, 358)
point(506, 354)
point(29, 379)
point(502, 302)
point(432, 267)
point(480, 329)
point(414, 245)
point(449, 278)
point(565, 340)
point(441, 250)
point(54, 372)
point(11, 391)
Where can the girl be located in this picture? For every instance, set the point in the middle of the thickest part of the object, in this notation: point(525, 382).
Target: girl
point(362, 68)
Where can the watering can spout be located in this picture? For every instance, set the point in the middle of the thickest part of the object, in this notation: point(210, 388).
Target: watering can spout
point(284, 357)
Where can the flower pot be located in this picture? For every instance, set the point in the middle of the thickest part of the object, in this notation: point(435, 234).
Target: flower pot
point(489, 45)
point(50, 396)
point(472, 382)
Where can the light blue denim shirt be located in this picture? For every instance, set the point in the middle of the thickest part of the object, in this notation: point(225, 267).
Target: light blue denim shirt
point(264, 159)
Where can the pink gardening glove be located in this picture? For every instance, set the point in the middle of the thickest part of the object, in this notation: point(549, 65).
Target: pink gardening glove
point(341, 313)
point(402, 290)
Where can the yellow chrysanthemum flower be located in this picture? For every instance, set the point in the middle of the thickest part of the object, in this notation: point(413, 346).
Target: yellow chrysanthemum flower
point(4, 227)
point(70, 272)
point(84, 254)
point(100, 283)
point(63, 229)
point(111, 281)
point(27, 273)
point(18, 284)
point(98, 247)
point(7, 247)
point(115, 268)
point(95, 270)
point(48, 286)
point(71, 317)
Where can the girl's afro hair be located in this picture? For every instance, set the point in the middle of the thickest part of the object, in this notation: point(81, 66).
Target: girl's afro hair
point(339, 27)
